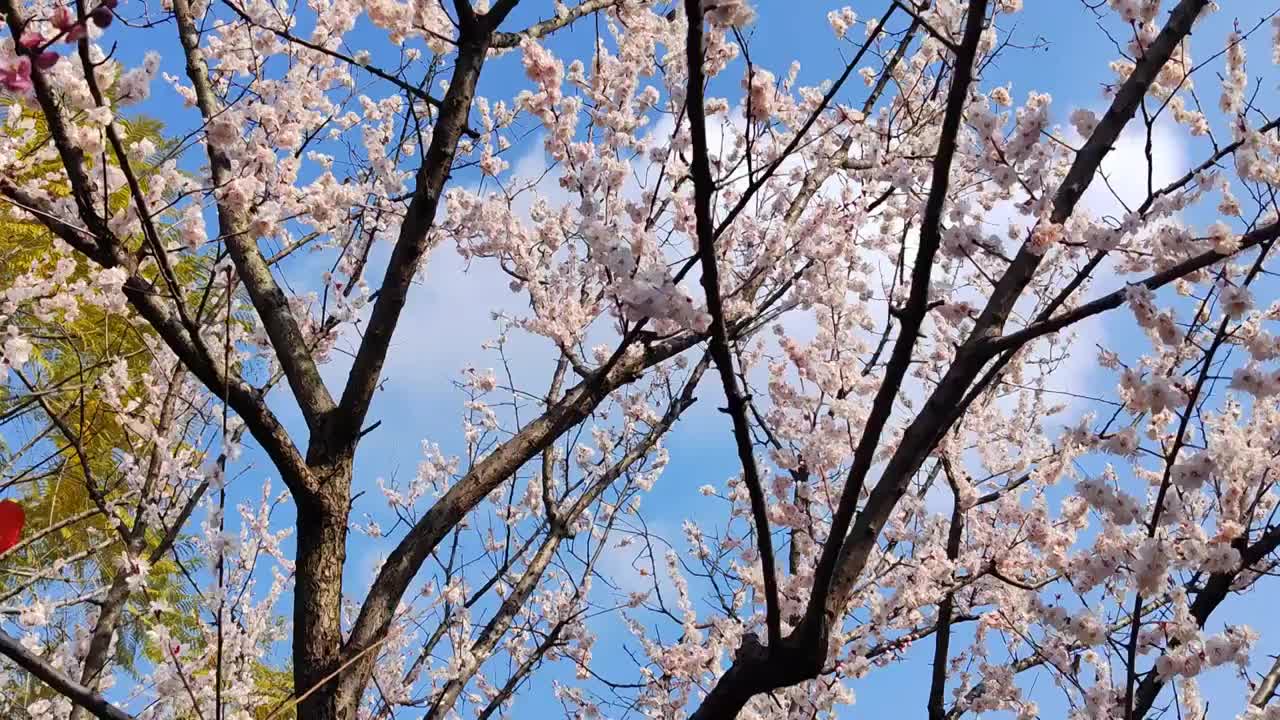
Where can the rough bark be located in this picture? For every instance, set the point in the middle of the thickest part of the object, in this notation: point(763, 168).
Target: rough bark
point(317, 595)
point(291, 348)
point(1267, 687)
point(113, 605)
point(318, 646)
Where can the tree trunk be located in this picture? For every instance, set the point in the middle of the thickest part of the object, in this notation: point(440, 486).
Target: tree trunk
point(317, 597)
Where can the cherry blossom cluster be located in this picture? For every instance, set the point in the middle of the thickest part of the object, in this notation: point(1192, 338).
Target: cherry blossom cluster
point(1078, 521)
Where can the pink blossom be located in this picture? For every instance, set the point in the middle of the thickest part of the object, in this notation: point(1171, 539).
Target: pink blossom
point(15, 74)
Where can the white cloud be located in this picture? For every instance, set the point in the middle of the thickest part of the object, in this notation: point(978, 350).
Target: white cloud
point(1126, 170)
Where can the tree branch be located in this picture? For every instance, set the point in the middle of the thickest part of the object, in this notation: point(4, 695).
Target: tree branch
point(1088, 160)
point(546, 27)
point(142, 295)
point(521, 590)
point(412, 244)
point(1261, 236)
point(58, 681)
point(287, 340)
point(939, 411)
point(1215, 591)
point(704, 188)
point(942, 638)
point(1267, 688)
point(838, 567)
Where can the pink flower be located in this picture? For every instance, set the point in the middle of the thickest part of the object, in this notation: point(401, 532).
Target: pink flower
point(16, 78)
point(761, 94)
point(63, 20)
point(31, 40)
point(47, 59)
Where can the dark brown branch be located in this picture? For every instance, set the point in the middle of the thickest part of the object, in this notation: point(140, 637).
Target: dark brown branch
point(289, 37)
point(1261, 236)
point(142, 295)
point(946, 41)
point(1089, 159)
point(1216, 589)
point(939, 411)
point(407, 557)
point(111, 611)
point(58, 680)
point(704, 188)
point(803, 130)
point(942, 637)
point(291, 348)
point(411, 246)
point(756, 669)
point(519, 593)
point(835, 571)
point(546, 27)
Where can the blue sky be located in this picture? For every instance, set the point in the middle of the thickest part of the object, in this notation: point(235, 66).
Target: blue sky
point(1066, 54)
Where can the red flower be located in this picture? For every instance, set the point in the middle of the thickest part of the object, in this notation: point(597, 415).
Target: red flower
point(11, 519)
